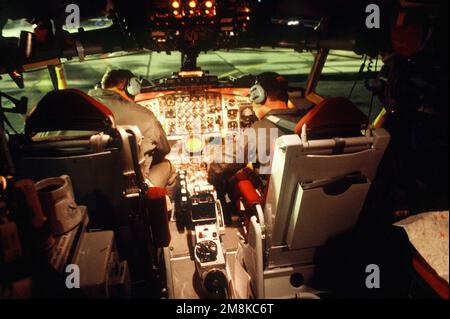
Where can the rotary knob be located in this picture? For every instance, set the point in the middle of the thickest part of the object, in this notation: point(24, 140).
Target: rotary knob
point(206, 251)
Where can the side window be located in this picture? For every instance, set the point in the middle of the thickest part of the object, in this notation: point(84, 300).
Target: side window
point(341, 76)
point(37, 84)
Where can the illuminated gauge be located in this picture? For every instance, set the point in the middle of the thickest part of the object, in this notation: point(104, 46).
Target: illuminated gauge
point(232, 114)
point(231, 102)
point(170, 113)
point(233, 125)
point(170, 102)
point(194, 145)
point(179, 100)
point(211, 109)
point(187, 99)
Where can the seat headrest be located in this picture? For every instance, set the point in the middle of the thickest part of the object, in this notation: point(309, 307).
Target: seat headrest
point(333, 117)
point(69, 110)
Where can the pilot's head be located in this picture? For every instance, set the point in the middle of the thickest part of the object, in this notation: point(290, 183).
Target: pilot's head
point(119, 82)
point(276, 90)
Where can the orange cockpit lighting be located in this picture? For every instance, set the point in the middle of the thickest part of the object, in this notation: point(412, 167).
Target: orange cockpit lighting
point(209, 4)
point(192, 4)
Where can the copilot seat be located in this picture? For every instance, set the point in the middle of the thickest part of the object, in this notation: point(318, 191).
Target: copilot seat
point(320, 178)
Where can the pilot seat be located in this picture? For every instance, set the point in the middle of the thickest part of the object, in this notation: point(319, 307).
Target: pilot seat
point(70, 133)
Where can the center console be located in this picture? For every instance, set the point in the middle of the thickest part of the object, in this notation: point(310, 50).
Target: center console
point(195, 117)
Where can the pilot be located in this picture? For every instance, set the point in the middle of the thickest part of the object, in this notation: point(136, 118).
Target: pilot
point(118, 90)
point(270, 97)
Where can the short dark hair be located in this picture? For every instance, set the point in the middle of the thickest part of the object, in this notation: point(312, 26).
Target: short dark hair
point(113, 78)
point(275, 85)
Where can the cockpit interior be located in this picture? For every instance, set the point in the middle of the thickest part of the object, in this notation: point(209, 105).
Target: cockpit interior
point(350, 190)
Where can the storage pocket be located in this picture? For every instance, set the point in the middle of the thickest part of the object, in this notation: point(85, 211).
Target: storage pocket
point(324, 209)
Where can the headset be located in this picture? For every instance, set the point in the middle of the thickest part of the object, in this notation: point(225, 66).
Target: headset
point(133, 86)
point(258, 94)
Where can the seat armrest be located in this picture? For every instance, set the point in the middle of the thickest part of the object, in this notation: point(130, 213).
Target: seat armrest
point(247, 192)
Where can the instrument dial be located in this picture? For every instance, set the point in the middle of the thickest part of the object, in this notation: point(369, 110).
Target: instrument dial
point(233, 125)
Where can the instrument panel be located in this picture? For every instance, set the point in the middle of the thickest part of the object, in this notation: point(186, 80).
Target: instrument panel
point(198, 112)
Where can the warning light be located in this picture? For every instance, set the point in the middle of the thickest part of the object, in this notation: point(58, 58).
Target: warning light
point(209, 4)
point(192, 4)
